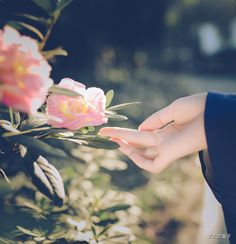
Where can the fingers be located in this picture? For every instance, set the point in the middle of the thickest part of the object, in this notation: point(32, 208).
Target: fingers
point(149, 152)
point(191, 138)
point(141, 138)
point(181, 111)
point(135, 155)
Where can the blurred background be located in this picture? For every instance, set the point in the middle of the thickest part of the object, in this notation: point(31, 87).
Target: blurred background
point(154, 52)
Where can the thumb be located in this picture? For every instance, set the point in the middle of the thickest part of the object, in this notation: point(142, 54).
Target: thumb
point(180, 111)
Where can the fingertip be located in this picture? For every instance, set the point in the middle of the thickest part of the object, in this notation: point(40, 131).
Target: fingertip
point(118, 141)
point(104, 131)
point(144, 127)
point(141, 127)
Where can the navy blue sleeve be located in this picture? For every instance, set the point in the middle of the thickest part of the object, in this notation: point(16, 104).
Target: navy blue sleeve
point(219, 169)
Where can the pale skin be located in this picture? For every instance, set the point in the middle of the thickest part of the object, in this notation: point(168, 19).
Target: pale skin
point(169, 134)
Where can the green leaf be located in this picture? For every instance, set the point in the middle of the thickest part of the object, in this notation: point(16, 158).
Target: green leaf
point(33, 122)
point(30, 205)
point(17, 118)
point(55, 52)
point(100, 142)
point(90, 128)
point(106, 144)
point(83, 137)
point(37, 146)
point(27, 231)
point(47, 5)
point(122, 106)
point(57, 235)
point(63, 91)
point(113, 209)
point(106, 222)
point(5, 177)
point(34, 18)
point(109, 97)
point(62, 4)
point(116, 117)
point(6, 241)
point(6, 125)
point(44, 176)
point(83, 130)
point(20, 25)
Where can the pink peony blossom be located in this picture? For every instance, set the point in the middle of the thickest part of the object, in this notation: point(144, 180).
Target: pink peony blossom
point(24, 73)
point(76, 112)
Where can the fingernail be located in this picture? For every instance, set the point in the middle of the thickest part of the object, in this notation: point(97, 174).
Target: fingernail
point(100, 132)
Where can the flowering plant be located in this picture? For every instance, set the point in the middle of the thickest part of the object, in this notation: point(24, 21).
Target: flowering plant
point(41, 124)
point(36, 115)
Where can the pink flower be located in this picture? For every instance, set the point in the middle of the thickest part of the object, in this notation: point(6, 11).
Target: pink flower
point(76, 112)
point(24, 73)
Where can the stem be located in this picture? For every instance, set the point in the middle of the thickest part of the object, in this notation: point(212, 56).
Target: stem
point(54, 19)
point(11, 115)
point(9, 134)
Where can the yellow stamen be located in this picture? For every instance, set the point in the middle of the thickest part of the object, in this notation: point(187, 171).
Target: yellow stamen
point(2, 58)
point(64, 109)
point(75, 107)
point(82, 109)
point(21, 84)
point(20, 68)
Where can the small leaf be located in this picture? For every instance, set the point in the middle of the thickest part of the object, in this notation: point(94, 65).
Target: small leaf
point(40, 239)
point(6, 241)
point(106, 222)
point(109, 97)
point(57, 235)
point(17, 118)
point(90, 128)
point(83, 137)
point(44, 176)
point(20, 25)
point(114, 209)
point(5, 177)
point(33, 121)
point(37, 146)
point(100, 142)
point(62, 4)
point(30, 205)
point(34, 18)
point(6, 125)
point(55, 52)
point(47, 5)
point(122, 106)
point(63, 91)
point(27, 231)
point(116, 117)
point(83, 130)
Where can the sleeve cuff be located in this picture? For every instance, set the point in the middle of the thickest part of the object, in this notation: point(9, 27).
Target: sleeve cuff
point(220, 128)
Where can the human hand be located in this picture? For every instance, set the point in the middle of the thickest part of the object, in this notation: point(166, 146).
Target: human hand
point(171, 133)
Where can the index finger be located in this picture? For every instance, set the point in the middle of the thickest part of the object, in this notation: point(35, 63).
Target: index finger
point(141, 138)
